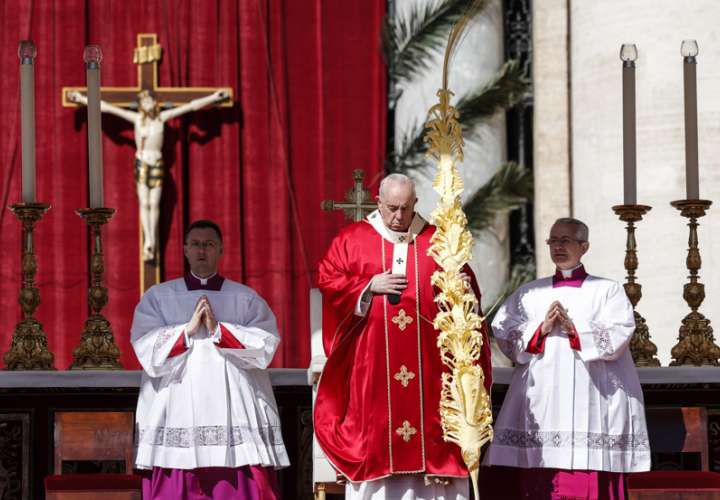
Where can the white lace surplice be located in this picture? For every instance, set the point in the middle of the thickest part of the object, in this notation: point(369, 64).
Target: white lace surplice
point(210, 406)
point(568, 409)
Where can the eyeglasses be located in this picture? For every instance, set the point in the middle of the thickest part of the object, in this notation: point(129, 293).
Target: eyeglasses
point(205, 245)
point(563, 242)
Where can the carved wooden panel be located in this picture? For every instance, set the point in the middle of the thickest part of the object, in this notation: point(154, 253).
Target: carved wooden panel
point(15, 456)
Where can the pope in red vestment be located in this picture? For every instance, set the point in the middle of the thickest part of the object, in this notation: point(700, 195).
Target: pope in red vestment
point(377, 406)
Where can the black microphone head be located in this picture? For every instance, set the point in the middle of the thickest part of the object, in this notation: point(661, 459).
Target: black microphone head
point(394, 298)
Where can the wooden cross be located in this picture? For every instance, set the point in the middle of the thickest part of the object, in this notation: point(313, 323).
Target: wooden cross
point(358, 202)
point(402, 320)
point(146, 56)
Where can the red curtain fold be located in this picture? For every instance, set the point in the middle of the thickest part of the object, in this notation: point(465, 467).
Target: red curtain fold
point(310, 94)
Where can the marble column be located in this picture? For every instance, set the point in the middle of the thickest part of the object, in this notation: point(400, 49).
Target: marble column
point(551, 122)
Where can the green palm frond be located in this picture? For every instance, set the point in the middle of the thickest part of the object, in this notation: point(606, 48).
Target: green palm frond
point(509, 188)
point(522, 272)
point(502, 92)
point(410, 41)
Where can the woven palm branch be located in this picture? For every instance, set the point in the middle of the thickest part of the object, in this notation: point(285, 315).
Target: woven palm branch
point(465, 411)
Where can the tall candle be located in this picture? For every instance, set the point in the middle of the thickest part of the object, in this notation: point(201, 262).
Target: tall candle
point(92, 57)
point(628, 55)
point(27, 53)
point(689, 49)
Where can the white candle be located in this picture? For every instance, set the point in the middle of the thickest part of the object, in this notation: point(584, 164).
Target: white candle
point(92, 57)
point(26, 53)
point(628, 55)
point(689, 49)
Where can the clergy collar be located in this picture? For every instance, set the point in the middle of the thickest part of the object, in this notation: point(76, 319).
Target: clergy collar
point(417, 224)
point(570, 277)
point(213, 282)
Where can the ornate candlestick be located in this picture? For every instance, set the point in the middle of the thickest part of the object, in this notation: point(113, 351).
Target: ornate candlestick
point(29, 348)
point(97, 349)
point(641, 347)
point(696, 345)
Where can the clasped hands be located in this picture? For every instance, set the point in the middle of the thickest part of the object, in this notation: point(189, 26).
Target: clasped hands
point(557, 314)
point(202, 316)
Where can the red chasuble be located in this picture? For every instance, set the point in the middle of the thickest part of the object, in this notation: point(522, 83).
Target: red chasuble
point(377, 406)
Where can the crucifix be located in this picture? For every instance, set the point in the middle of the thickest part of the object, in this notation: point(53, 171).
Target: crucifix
point(357, 202)
point(148, 106)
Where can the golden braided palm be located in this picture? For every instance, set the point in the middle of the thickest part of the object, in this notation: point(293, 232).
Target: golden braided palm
point(465, 409)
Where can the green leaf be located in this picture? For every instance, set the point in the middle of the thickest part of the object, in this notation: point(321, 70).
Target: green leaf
point(504, 91)
point(509, 188)
point(410, 41)
point(522, 272)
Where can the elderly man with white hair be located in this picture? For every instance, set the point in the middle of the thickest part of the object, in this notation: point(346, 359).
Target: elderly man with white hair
point(573, 422)
point(377, 407)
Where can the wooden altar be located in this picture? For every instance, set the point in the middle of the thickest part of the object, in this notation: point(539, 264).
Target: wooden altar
point(30, 399)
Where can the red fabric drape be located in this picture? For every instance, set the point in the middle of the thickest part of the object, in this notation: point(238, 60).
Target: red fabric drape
point(309, 108)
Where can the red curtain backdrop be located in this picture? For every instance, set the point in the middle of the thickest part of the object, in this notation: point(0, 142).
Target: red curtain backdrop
point(310, 102)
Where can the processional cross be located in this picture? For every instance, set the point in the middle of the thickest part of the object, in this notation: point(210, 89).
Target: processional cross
point(357, 202)
point(146, 56)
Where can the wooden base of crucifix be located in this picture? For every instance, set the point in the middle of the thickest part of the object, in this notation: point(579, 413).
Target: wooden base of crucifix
point(150, 270)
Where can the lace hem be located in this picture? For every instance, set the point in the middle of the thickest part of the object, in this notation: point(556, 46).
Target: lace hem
point(208, 435)
point(567, 439)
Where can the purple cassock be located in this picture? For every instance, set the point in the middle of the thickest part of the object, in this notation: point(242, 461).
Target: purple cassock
point(221, 483)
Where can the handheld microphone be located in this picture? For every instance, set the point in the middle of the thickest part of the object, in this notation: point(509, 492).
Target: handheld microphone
point(394, 298)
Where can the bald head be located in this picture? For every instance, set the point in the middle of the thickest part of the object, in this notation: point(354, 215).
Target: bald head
point(393, 180)
point(396, 201)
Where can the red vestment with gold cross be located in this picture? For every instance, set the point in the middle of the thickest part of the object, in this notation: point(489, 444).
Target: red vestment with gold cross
point(377, 406)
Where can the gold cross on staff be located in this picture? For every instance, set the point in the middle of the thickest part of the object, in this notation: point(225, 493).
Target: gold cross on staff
point(358, 202)
point(146, 56)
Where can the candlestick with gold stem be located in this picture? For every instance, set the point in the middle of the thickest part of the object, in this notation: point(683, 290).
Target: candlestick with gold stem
point(696, 344)
point(641, 347)
point(29, 347)
point(97, 349)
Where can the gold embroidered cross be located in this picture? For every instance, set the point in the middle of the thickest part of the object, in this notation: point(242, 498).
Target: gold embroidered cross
point(402, 320)
point(406, 431)
point(404, 376)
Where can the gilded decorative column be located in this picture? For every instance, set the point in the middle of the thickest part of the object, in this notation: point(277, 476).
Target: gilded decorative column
point(29, 347)
point(696, 344)
point(641, 347)
point(97, 349)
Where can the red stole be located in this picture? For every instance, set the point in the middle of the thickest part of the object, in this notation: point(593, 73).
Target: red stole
point(376, 411)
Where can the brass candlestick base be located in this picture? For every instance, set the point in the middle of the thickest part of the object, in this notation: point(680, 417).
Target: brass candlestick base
point(641, 347)
point(97, 349)
point(29, 347)
point(696, 345)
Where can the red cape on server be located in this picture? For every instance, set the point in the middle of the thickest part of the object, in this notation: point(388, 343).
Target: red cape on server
point(377, 406)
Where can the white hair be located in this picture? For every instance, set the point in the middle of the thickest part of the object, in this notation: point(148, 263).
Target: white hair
point(395, 179)
point(582, 232)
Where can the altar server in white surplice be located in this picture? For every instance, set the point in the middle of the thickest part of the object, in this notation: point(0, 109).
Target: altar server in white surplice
point(207, 421)
point(573, 422)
